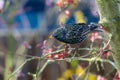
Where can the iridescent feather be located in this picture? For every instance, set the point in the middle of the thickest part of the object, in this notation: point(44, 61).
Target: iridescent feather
point(74, 33)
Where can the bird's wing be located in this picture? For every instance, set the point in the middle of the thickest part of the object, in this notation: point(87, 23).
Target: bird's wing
point(76, 30)
point(74, 26)
point(75, 40)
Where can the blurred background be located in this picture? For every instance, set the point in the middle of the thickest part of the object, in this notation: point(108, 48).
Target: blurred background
point(25, 33)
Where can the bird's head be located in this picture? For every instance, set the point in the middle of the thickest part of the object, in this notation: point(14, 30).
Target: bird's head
point(95, 27)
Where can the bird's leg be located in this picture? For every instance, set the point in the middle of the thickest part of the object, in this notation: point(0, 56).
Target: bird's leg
point(75, 50)
point(66, 48)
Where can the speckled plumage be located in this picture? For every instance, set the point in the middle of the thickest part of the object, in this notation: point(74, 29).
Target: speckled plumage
point(74, 33)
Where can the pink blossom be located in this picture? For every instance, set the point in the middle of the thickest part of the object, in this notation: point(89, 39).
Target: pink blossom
point(27, 45)
point(94, 36)
point(101, 78)
point(45, 51)
point(38, 45)
point(1, 4)
point(117, 76)
point(67, 13)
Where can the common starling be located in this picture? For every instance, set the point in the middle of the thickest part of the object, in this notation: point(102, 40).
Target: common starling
point(74, 33)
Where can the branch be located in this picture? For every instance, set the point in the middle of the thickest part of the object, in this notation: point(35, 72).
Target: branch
point(110, 19)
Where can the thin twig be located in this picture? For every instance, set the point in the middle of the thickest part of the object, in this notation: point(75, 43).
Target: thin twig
point(27, 60)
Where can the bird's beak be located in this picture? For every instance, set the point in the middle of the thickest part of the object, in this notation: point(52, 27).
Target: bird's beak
point(98, 30)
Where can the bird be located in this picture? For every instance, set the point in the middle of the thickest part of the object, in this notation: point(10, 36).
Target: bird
point(74, 33)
